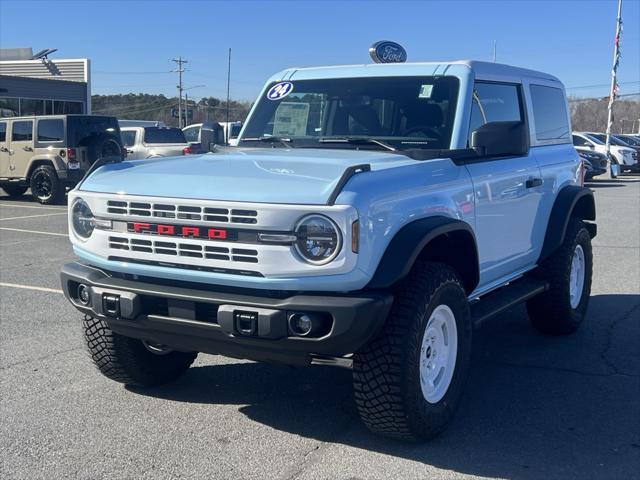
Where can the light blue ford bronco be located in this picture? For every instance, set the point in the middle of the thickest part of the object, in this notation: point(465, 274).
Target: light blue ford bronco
point(370, 218)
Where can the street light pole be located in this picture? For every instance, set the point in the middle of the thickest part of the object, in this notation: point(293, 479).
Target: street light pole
point(179, 61)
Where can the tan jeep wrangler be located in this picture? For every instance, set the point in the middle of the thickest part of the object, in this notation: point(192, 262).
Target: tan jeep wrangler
point(53, 152)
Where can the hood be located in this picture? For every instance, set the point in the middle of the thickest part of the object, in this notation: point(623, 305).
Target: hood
point(274, 175)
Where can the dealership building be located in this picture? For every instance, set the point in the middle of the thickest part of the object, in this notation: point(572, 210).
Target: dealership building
point(36, 85)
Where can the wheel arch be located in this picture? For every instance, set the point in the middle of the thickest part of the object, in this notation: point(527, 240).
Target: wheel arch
point(571, 202)
point(439, 239)
point(37, 162)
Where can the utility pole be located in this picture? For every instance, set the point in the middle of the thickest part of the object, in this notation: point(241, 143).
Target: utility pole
point(228, 129)
point(179, 61)
point(614, 85)
point(495, 45)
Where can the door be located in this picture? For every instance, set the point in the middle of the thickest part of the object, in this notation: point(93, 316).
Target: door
point(507, 190)
point(130, 144)
point(4, 150)
point(21, 147)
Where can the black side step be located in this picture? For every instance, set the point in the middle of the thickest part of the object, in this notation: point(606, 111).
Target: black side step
point(505, 298)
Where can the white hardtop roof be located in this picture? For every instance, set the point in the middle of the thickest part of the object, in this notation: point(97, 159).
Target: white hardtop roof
point(481, 69)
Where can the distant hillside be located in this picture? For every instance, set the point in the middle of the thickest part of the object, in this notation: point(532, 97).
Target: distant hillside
point(588, 114)
point(141, 106)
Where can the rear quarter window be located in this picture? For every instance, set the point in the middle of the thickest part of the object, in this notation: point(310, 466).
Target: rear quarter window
point(163, 135)
point(550, 114)
point(51, 130)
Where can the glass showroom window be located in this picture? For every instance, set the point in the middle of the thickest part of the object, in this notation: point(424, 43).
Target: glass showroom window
point(9, 107)
point(30, 106)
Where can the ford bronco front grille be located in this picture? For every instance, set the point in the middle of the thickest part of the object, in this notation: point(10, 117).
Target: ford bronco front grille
point(182, 212)
point(183, 249)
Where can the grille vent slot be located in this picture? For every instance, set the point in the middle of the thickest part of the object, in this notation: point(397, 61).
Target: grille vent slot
point(182, 212)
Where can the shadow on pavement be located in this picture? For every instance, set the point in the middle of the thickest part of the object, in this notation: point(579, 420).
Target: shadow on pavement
point(534, 407)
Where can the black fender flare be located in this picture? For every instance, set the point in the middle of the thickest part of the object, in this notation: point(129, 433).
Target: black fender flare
point(410, 242)
point(571, 201)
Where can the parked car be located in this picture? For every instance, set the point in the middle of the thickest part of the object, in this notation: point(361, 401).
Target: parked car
point(631, 140)
point(595, 163)
point(231, 132)
point(623, 155)
point(153, 142)
point(50, 153)
point(203, 136)
point(372, 222)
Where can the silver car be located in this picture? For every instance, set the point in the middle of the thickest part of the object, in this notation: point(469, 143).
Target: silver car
point(154, 141)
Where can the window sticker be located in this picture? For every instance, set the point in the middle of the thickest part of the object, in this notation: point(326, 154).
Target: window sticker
point(280, 90)
point(291, 119)
point(425, 91)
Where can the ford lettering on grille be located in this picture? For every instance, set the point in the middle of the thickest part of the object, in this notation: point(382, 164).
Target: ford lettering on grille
point(205, 233)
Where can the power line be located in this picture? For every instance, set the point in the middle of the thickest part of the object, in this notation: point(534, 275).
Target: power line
point(599, 86)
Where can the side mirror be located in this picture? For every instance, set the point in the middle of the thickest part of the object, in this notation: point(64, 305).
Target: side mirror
point(500, 139)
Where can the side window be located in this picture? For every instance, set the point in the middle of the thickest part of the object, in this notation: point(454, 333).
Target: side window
point(494, 102)
point(191, 134)
point(3, 132)
point(51, 130)
point(549, 113)
point(22, 131)
point(128, 138)
point(579, 141)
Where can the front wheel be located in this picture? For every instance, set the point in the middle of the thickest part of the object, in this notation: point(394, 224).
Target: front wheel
point(408, 380)
point(561, 309)
point(131, 361)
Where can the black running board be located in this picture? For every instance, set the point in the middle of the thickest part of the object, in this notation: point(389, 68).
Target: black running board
point(505, 298)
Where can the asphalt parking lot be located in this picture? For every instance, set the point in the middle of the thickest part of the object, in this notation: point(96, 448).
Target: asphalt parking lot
point(534, 407)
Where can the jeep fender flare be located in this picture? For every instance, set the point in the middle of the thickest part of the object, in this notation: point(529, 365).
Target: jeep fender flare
point(54, 160)
point(571, 201)
point(436, 238)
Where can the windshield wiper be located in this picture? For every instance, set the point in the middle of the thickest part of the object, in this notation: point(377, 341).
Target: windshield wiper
point(287, 142)
point(358, 141)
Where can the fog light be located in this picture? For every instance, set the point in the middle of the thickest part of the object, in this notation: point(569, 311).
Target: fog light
point(300, 324)
point(84, 295)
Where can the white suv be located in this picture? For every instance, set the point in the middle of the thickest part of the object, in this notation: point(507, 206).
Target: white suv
point(624, 156)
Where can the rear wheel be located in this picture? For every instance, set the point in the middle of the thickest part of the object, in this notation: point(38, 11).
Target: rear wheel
point(14, 190)
point(561, 309)
point(45, 185)
point(132, 361)
point(408, 381)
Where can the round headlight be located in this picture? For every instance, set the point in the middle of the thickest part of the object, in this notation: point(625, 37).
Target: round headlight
point(82, 219)
point(318, 239)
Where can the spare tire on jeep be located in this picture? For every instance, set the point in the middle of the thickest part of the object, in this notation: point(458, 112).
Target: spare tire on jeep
point(101, 146)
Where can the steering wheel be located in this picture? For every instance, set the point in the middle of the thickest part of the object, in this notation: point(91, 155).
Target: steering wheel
point(423, 131)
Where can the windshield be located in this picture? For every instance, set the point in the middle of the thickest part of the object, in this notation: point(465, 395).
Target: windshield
point(403, 112)
point(81, 129)
point(603, 138)
point(630, 140)
point(163, 135)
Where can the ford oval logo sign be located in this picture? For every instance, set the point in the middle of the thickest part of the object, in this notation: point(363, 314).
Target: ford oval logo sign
point(387, 52)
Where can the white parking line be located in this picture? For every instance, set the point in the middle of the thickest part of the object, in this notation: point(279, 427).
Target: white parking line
point(39, 207)
point(30, 287)
point(34, 231)
point(33, 216)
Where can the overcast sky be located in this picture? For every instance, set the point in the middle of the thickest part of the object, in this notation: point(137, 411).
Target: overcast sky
point(131, 43)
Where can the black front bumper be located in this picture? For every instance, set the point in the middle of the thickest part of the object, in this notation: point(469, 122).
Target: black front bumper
point(214, 321)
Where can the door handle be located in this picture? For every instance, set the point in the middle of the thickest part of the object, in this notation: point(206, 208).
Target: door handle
point(533, 182)
point(27, 148)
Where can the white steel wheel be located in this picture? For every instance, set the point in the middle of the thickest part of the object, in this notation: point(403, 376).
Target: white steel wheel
point(438, 354)
point(576, 279)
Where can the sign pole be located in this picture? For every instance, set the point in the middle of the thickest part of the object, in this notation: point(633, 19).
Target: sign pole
point(614, 88)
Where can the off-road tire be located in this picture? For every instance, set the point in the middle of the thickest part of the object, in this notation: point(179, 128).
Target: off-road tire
point(551, 312)
point(45, 185)
point(127, 360)
point(15, 190)
point(386, 372)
